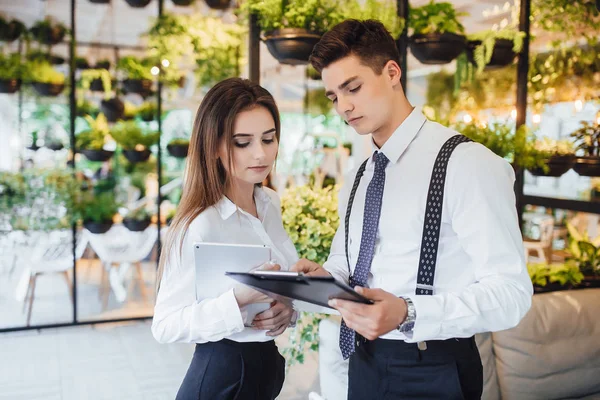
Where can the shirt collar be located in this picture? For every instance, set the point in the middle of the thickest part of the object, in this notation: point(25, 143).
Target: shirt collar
point(227, 207)
point(397, 144)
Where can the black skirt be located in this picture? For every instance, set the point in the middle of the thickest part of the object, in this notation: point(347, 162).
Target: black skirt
point(228, 370)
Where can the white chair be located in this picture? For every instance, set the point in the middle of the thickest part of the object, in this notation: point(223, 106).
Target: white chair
point(55, 256)
point(541, 250)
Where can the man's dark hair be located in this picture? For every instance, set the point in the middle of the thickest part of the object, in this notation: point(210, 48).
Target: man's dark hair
point(368, 40)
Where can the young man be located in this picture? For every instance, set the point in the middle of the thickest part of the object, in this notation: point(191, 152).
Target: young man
point(428, 232)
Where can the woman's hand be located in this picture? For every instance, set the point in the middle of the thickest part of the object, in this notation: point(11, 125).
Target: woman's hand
point(276, 319)
point(245, 295)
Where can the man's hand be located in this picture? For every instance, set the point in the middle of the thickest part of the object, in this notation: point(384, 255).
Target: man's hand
point(372, 320)
point(275, 319)
point(309, 268)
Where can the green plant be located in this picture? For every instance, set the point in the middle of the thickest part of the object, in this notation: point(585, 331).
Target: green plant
point(584, 251)
point(88, 75)
point(130, 136)
point(552, 147)
point(99, 208)
point(136, 68)
point(316, 102)
point(41, 30)
point(147, 110)
point(563, 274)
point(348, 145)
point(587, 138)
point(180, 142)
point(85, 107)
point(435, 17)
point(94, 137)
point(130, 110)
point(140, 214)
point(42, 71)
point(10, 66)
point(483, 52)
point(383, 11)
point(310, 217)
point(566, 17)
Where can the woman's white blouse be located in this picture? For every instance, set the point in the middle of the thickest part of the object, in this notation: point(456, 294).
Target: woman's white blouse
point(181, 314)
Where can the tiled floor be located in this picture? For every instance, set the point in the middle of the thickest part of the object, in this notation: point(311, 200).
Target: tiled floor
point(108, 361)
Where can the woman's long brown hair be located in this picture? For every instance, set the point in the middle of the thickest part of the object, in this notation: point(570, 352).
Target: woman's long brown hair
point(205, 178)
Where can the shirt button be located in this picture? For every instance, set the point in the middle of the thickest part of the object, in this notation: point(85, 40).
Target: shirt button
point(357, 342)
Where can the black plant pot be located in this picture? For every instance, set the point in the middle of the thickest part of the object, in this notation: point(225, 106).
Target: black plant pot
point(49, 35)
point(502, 55)
point(558, 166)
point(147, 117)
point(135, 156)
point(587, 166)
point(551, 287)
point(82, 64)
point(436, 48)
point(291, 45)
point(97, 155)
point(96, 85)
point(136, 226)
point(590, 281)
point(9, 85)
point(55, 146)
point(218, 4)
point(97, 227)
point(48, 89)
point(10, 31)
point(100, 1)
point(182, 2)
point(33, 147)
point(113, 109)
point(138, 3)
point(102, 65)
point(140, 86)
point(178, 150)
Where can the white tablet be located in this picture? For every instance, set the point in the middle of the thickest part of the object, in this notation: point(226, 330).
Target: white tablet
point(212, 260)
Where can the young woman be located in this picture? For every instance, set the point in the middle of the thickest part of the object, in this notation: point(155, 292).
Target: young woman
point(233, 147)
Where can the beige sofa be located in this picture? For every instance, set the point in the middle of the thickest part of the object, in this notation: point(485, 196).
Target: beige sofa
point(554, 353)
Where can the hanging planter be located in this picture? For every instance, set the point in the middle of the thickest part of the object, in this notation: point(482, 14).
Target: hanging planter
point(96, 85)
point(9, 85)
point(100, 1)
point(183, 3)
point(138, 3)
point(55, 146)
point(218, 4)
point(502, 55)
point(48, 89)
point(82, 63)
point(105, 64)
point(587, 166)
point(136, 225)
point(178, 148)
point(139, 86)
point(46, 32)
point(291, 45)
point(437, 48)
point(136, 156)
point(97, 155)
point(10, 31)
point(557, 164)
point(98, 227)
point(113, 109)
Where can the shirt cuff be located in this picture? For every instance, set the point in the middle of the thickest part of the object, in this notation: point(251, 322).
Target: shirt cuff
point(428, 324)
point(230, 310)
point(294, 319)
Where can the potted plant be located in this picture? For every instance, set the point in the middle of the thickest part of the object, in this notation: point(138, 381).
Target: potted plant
point(494, 49)
point(97, 80)
point(549, 278)
point(585, 253)
point(587, 140)
point(134, 140)
point(137, 220)
point(559, 157)
point(10, 30)
point(100, 1)
point(138, 3)
point(10, 73)
point(91, 141)
point(130, 111)
point(43, 56)
point(178, 147)
point(97, 211)
point(48, 32)
point(85, 107)
point(102, 64)
point(437, 34)
point(34, 141)
point(183, 3)
point(218, 4)
point(114, 109)
point(147, 111)
point(45, 79)
point(139, 78)
point(81, 63)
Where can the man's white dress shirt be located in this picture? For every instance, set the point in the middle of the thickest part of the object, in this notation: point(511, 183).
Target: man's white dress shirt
point(481, 280)
point(181, 314)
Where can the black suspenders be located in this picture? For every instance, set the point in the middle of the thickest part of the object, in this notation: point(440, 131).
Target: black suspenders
point(433, 215)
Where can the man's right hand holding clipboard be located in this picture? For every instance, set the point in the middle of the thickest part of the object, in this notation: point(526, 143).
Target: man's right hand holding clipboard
point(370, 320)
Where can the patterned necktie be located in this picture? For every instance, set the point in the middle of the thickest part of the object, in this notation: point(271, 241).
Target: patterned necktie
point(367, 243)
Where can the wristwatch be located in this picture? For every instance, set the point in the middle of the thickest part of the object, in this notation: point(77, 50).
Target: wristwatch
point(411, 315)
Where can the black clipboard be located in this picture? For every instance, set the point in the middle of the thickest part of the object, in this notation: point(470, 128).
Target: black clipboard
point(293, 285)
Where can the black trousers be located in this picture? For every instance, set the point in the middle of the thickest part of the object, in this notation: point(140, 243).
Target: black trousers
point(392, 370)
point(228, 370)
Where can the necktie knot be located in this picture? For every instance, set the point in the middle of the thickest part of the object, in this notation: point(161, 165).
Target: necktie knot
point(381, 161)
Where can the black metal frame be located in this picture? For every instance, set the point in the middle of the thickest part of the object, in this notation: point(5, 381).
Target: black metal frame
point(72, 106)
